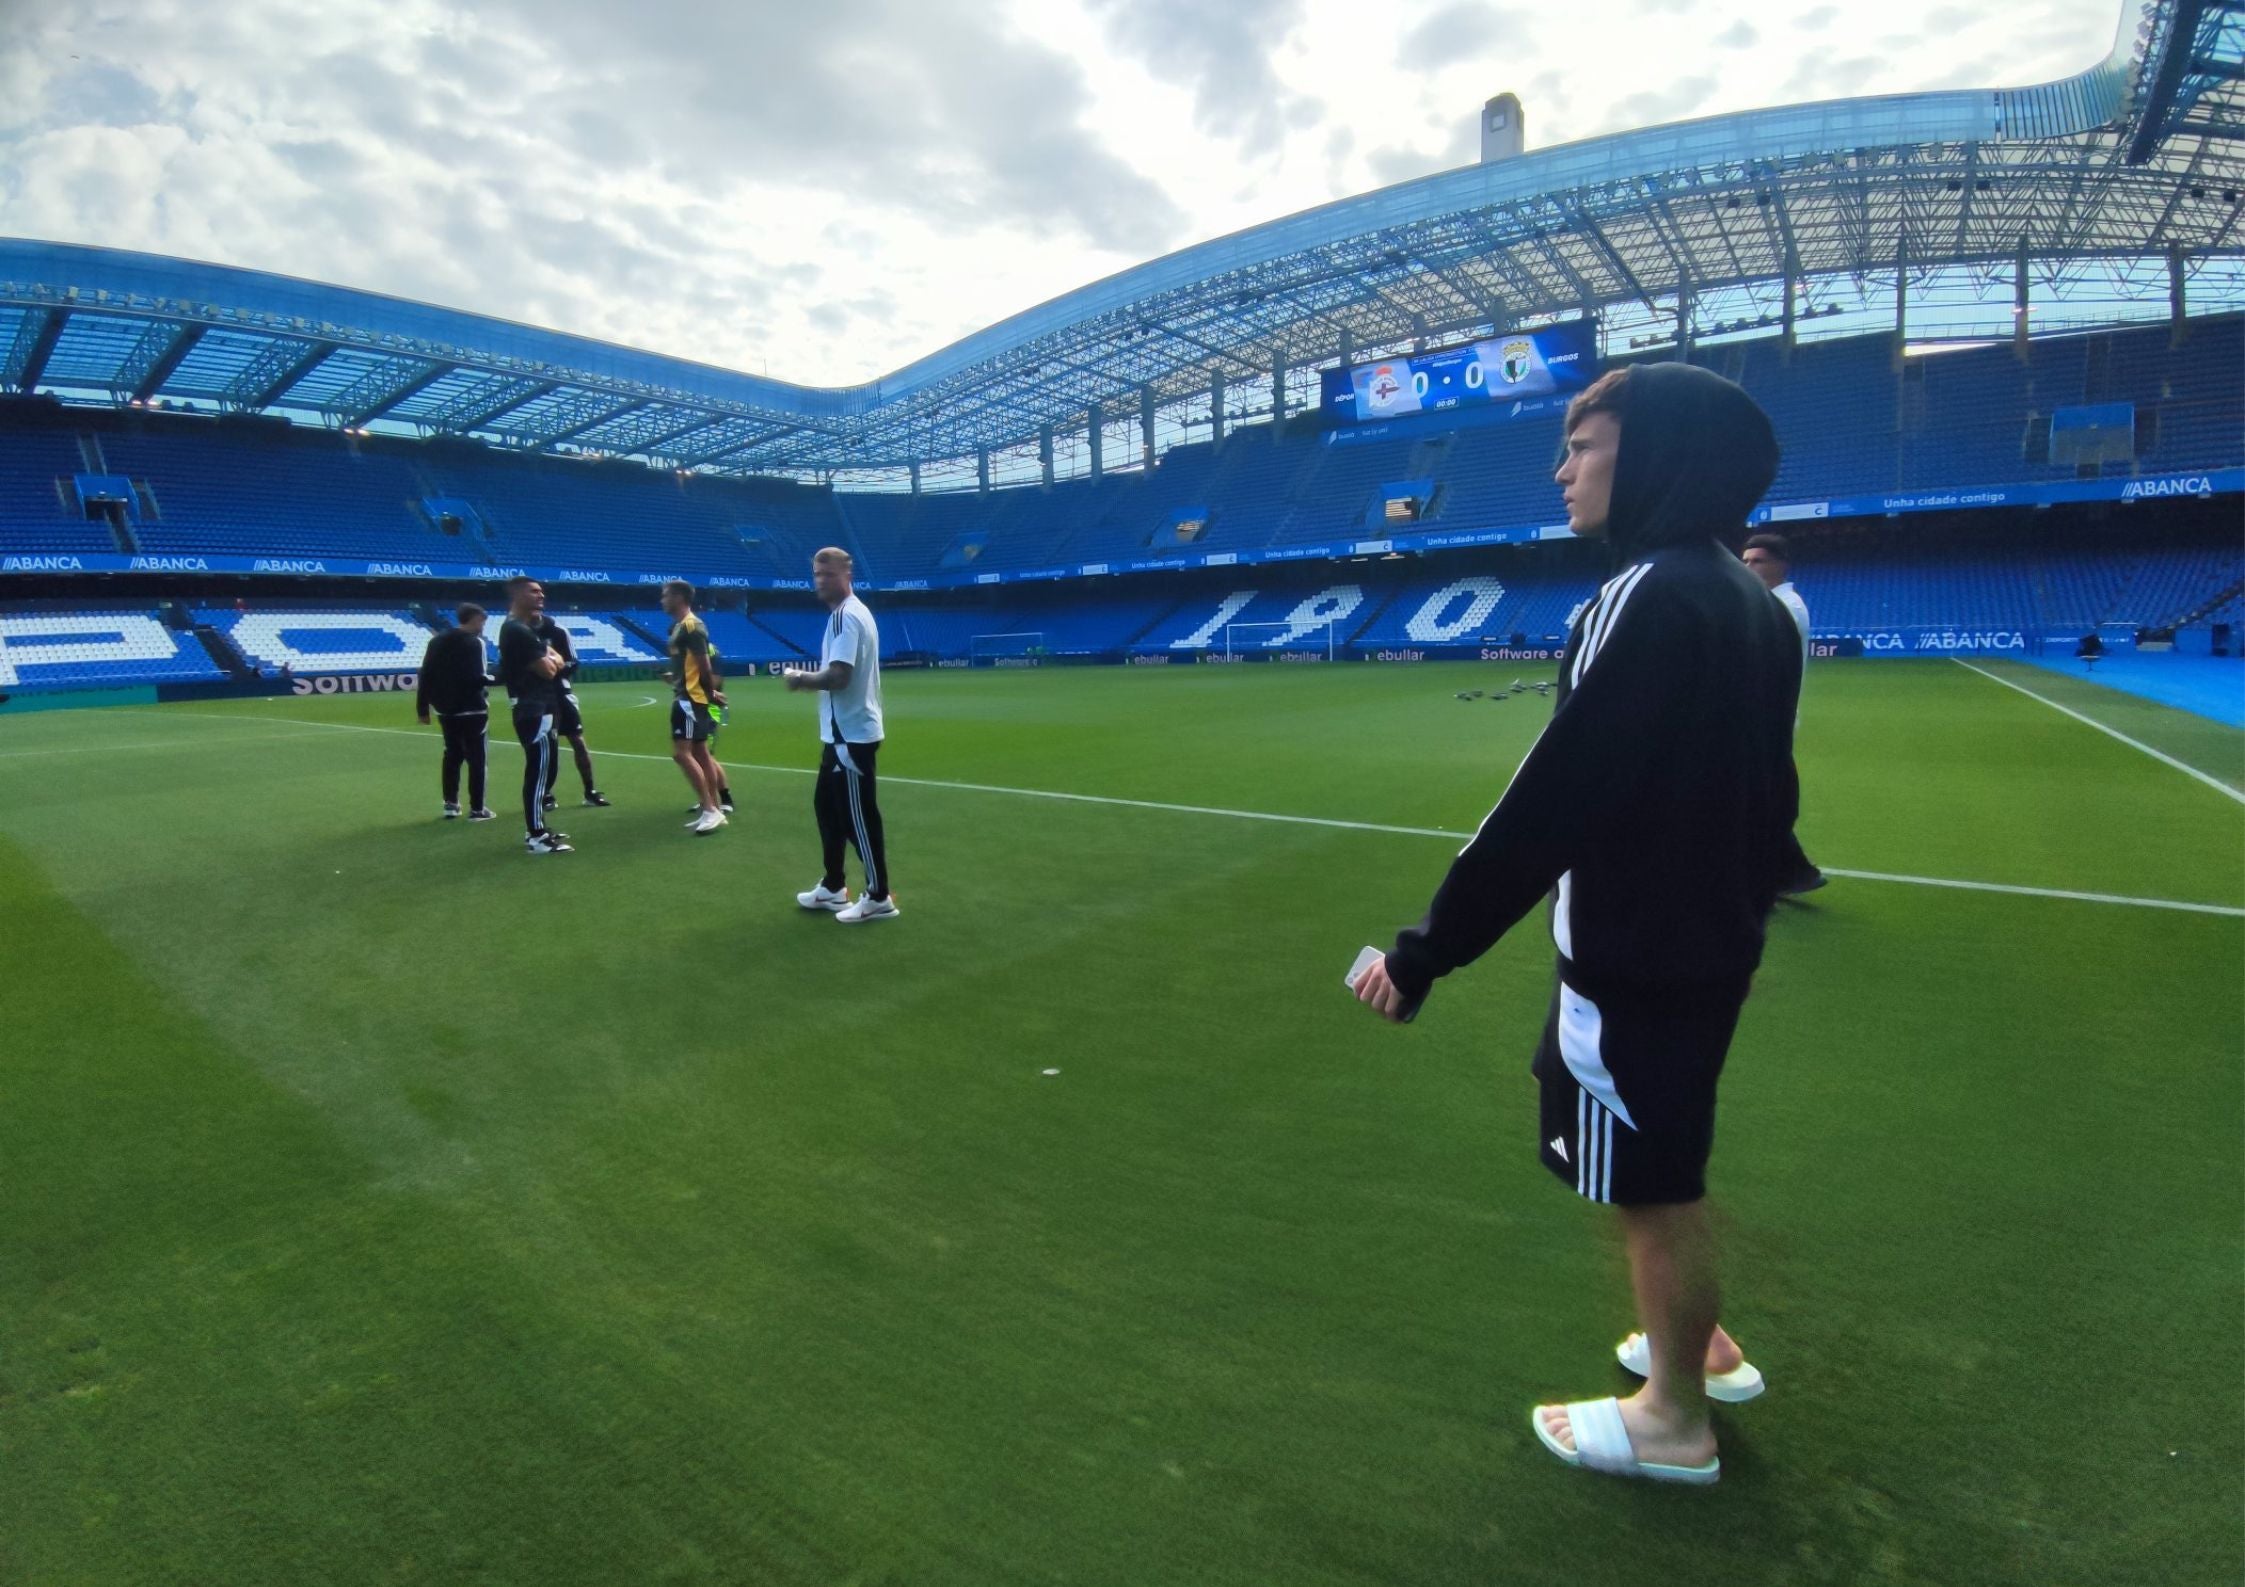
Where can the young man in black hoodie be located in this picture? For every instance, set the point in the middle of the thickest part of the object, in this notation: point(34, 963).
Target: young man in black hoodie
point(451, 684)
point(1652, 811)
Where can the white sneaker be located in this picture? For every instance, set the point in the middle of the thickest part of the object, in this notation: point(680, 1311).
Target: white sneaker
point(868, 909)
point(451, 812)
point(547, 843)
point(819, 898)
point(707, 822)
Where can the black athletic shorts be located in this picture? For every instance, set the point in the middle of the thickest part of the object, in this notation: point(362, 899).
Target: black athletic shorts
point(568, 721)
point(691, 722)
point(1628, 1085)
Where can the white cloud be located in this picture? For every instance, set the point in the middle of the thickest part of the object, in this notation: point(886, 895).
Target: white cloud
point(1463, 32)
point(828, 191)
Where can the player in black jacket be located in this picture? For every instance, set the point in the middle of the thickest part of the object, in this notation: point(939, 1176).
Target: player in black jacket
point(451, 685)
point(531, 671)
point(569, 721)
point(1652, 811)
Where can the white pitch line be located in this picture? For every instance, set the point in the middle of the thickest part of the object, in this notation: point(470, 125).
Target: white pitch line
point(155, 743)
point(2039, 892)
point(2162, 756)
point(1154, 804)
point(1951, 883)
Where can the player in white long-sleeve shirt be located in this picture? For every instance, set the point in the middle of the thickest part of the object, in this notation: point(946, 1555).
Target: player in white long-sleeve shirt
point(1771, 558)
point(848, 683)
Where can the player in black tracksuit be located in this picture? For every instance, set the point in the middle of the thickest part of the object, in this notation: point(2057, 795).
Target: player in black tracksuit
point(530, 671)
point(451, 685)
point(1652, 812)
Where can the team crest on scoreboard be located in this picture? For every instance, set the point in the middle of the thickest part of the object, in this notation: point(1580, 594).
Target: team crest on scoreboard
point(1517, 359)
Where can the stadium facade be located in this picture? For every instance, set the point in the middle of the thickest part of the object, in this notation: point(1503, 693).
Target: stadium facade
point(1805, 250)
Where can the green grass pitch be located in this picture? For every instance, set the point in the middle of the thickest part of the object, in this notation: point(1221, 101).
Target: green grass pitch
point(381, 1205)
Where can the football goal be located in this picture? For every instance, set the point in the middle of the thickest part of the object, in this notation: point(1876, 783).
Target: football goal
point(1028, 643)
point(1299, 639)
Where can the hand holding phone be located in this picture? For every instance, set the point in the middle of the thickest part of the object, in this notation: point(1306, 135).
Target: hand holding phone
point(1368, 979)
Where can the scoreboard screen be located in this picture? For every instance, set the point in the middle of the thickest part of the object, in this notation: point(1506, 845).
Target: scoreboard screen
point(1539, 363)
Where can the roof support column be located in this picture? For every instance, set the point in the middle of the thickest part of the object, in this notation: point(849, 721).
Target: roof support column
point(1901, 297)
point(1094, 427)
point(1787, 342)
point(914, 470)
point(982, 469)
point(1216, 406)
point(1278, 393)
point(2020, 307)
point(1684, 307)
point(2178, 306)
point(1146, 425)
point(1044, 450)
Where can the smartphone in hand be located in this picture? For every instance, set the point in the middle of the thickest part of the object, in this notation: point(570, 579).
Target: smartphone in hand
point(1365, 959)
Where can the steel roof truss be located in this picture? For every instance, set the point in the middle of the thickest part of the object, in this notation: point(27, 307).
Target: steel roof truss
point(382, 388)
point(153, 358)
point(34, 345)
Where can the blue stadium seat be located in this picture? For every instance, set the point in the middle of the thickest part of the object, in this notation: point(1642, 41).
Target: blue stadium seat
point(43, 648)
point(319, 641)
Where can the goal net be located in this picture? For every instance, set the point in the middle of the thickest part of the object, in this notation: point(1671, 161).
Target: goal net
point(1028, 643)
point(1300, 639)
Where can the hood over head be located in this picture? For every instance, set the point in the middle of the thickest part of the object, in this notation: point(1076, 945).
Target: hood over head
point(1697, 455)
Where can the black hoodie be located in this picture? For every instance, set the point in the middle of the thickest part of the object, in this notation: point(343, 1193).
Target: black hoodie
point(1655, 804)
point(452, 677)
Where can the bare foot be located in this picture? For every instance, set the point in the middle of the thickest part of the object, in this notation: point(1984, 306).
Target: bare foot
point(1659, 1437)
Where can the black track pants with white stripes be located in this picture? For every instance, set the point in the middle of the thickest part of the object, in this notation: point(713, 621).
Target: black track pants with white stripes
point(849, 814)
point(534, 727)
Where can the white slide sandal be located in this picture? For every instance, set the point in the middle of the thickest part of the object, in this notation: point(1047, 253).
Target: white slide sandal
point(1735, 1387)
point(1602, 1444)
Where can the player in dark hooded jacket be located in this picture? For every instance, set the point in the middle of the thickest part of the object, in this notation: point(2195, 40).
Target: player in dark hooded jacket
point(1650, 811)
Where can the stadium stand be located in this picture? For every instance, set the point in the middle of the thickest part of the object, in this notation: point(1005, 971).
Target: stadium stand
point(98, 648)
point(1850, 423)
point(264, 491)
point(620, 515)
point(603, 639)
point(322, 641)
point(37, 512)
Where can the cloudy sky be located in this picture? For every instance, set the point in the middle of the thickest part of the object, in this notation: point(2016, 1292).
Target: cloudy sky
point(822, 190)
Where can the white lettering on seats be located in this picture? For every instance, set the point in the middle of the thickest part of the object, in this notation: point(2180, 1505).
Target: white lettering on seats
point(264, 637)
point(1205, 635)
point(79, 642)
point(1427, 625)
point(1312, 616)
point(594, 637)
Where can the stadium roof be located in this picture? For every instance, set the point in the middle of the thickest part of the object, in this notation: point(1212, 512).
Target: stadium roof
point(2138, 158)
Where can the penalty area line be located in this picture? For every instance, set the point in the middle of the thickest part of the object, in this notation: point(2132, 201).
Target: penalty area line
point(1953, 884)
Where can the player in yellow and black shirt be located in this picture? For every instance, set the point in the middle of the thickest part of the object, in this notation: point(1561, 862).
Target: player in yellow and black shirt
point(699, 688)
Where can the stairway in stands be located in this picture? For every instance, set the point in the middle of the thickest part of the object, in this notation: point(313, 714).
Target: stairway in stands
point(2209, 606)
